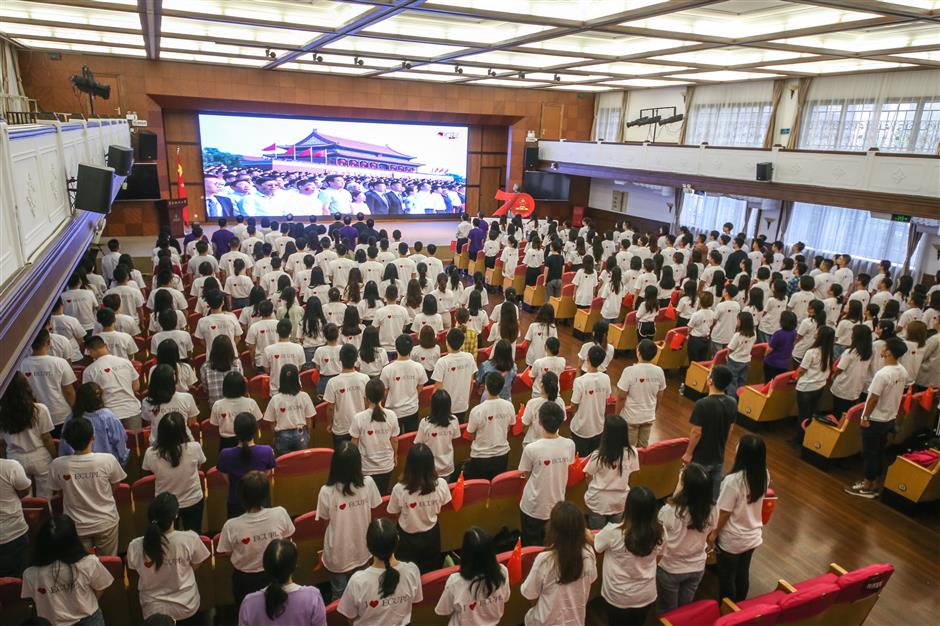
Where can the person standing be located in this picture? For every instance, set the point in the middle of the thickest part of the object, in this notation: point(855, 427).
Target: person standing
point(712, 419)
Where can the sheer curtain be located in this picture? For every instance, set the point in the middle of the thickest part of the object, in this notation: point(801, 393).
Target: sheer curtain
point(896, 112)
point(731, 115)
point(705, 212)
point(834, 230)
point(608, 116)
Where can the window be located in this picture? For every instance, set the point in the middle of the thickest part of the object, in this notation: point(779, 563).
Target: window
point(703, 212)
point(835, 230)
point(607, 124)
point(900, 125)
point(729, 124)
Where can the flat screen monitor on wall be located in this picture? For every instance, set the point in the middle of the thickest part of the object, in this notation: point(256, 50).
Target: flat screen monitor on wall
point(546, 186)
point(267, 166)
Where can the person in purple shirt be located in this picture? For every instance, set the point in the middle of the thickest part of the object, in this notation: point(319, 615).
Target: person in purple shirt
point(283, 602)
point(110, 436)
point(221, 238)
point(348, 231)
point(476, 236)
point(779, 356)
point(246, 457)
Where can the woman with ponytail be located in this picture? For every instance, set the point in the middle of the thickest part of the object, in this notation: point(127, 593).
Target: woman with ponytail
point(164, 559)
point(283, 602)
point(375, 432)
point(481, 585)
point(175, 462)
point(530, 415)
point(383, 592)
point(246, 457)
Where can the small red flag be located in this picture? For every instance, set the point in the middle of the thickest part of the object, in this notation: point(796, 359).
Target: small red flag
point(908, 400)
point(181, 186)
point(669, 312)
point(768, 506)
point(517, 427)
point(456, 494)
point(526, 377)
point(927, 398)
point(677, 341)
point(515, 564)
point(575, 471)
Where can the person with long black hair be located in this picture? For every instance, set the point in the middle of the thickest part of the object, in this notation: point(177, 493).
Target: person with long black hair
point(375, 432)
point(478, 592)
point(175, 461)
point(438, 431)
point(65, 581)
point(384, 592)
point(851, 371)
point(740, 526)
point(283, 602)
point(163, 399)
point(244, 457)
point(164, 559)
point(609, 468)
point(813, 372)
point(687, 519)
point(26, 429)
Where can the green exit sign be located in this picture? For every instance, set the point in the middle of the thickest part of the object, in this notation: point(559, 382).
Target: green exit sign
point(897, 217)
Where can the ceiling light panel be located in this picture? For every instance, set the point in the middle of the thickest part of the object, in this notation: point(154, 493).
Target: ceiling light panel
point(496, 82)
point(171, 55)
point(927, 5)
point(837, 65)
point(322, 68)
point(447, 68)
point(726, 76)
point(40, 44)
point(744, 18)
point(321, 13)
point(646, 82)
point(732, 55)
point(223, 30)
point(195, 46)
point(77, 16)
point(575, 10)
point(30, 30)
point(437, 78)
point(868, 39)
point(404, 49)
point(929, 56)
point(520, 59)
point(607, 44)
point(631, 69)
point(594, 88)
point(455, 28)
point(568, 78)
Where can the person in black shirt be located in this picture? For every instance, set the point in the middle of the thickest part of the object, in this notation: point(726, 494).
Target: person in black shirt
point(733, 262)
point(554, 268)
point(712, 419)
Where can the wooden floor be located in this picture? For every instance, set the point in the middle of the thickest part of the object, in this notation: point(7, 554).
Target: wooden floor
point(815, 523)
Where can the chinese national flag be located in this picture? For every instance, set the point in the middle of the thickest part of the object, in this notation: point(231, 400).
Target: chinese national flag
point(515, 564)
point(518, 427)
point(669, 312)
point(456, 496)
point(181, 187)
point(926, 399)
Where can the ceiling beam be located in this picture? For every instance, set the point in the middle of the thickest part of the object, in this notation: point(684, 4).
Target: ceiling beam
point(867, 6)
point(150, 17)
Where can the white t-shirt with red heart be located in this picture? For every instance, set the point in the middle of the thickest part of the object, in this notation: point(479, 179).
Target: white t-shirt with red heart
point(65, 597)
point(245, 537)
point(489, 422)
point(85, 481)
point(363, 603)
point(344, 547)
point(375, 441)
point(441, 441)
point(590, 393)
point(261, 334)
point(456, 370)
point(347, 393)
point(116, 377)
point(47, 375)
point(279, 354)
point(170, 589)
point(418, 512)
point(545, 365)
point(402, 377)
point(224, 411)
point(530, 418)
point(290, 412)
point(607, 490)
point(466, 608)
point(642, 382)
point(546, 461)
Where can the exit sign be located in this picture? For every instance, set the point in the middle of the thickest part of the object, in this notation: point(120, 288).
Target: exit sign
point(897, 217)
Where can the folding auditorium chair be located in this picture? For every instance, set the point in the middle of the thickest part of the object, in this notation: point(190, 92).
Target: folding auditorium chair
point(913, 481)
point(113, 602)
point(125, 507)
point(493, 277)
point(755, 369)
point(204, 579)
point(623, 336)
point(659, 466)
point(673, 351)
point(209, 434)
point(334, 617)
point(696, 377)
point(823, 441)
point(382, 510)
point(222, 573)
point(518, 606)
point(503, 507)
point(476, 264)
point(424, 400)
point(773, 401)
point(216, 499)
point(405, 442)
point(309, 533)
point(259, 388)
point(706, 613)
point(35, 511)
point(248, 363)
point(143, 492)
point(914, 419)
point(521, 349)
point(859, 590)
point(461, 447)
point(664, 323)
point(563, 305)
point(483, 355)
point(517, 281)
point(308, 381)
point(15, 609)
point(432, 586)
point(143, 350)
point(566, 382)
point(462, 260)
point(534, 296)
point(473, 513)
point(135, 455)
point(584, 319)
point(298, 478)
point(797, 606)
point(320, 436)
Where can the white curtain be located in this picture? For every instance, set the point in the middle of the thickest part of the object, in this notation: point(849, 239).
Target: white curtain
point(12, 97)
point(730, 115)
point(706, 212)
point(896, 112)
point(608, 116)
point(833, 230)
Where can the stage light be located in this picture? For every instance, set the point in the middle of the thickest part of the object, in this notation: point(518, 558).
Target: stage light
point(491, 73)
point(405, 65)
point(458, 69)
point(557, 78)
point(86, 83)
point(317, 58)
point(672, 120)
point(269, 53)
point(358, 61)
point(640, 121)
point(522, 75)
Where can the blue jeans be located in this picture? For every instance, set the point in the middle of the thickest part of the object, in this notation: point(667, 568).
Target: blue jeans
point(95, 619)
point(675, 590)
point(290, 440)
point(738, 377)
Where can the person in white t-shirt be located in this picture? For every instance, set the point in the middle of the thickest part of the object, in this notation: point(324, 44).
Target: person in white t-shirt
point(69, 328)
point(346, 395)
point(14, 532)
point(540, 330)
point(454, 372)
point(813, 373)
point(119, 344)
point(488, 425)
point(545, 462)
point(163, 399)
point(639, 391)
point(132, 300)
point(631, 549)
point(383, 593)
point(561, 576)
point(390, 319)
point(608, 469)
point(688, 517)
point(51, 378)
point(726, 314)
point(589, 401)
point(851, 371)
point(65, 581)
point(80, 303)
point(245, 537)
point(438, 431)
point(740, 526)
point(291, 411)
point(164, 559)
point(403, 380)
point(598, 338)
point(551, 362)
point(326, 357)
point(739, 351)
point(282, 353)
point(885, 394)
point(548, 384)
point(375, 431)
point(26, 430)
point(585, 282)
point(216, 322)
point(417, 500)
point(85, 480)
point(174, 461)
point(476, 594)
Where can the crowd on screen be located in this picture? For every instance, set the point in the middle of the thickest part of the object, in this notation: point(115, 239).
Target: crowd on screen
point(364, 310)
point(267, 193)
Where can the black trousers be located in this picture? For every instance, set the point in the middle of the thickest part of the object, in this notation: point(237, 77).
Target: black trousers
point(584, 446)
point(698, 348)
point(533, 530)
point(841, 405)
point(531, 275)
point(191, 517)
point(489, 262)
point(874, 442)
point(408, 424)
point(734, 574)
point(634, 616)
point(338, 440)
point(486, 467)
point(244, 583)
point(423, 548)
point(771, 372)
point(807, 401)
point(381, 481)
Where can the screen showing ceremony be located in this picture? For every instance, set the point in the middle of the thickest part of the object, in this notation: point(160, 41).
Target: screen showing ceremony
point(267, 166)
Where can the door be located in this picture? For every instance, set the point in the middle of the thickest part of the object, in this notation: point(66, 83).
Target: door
point(552, 116)
point(491, 179)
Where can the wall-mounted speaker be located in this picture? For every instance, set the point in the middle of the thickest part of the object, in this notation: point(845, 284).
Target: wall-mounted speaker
point(531, 158)
point(95, 188)
point(765, 171)
point(146, 146)
point(120, 159)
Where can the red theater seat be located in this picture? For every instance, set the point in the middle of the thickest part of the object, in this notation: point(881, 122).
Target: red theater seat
point(505, 493)
point(432, 586)
point(309, 533)
point(298, 478)
point(701, 613)
point(659, 466)
point(472, 513)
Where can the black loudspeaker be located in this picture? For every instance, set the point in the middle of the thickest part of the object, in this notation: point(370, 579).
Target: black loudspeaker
point(531, 158)
point(146, 147)
point(765, 171)
point(120, 159)
point(95, 185)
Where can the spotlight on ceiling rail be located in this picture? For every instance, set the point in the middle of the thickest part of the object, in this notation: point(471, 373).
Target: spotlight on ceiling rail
point(671, 120)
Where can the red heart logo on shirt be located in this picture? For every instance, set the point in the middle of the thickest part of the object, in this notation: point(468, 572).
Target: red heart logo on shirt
point(148, 564)
point(642, 380)
point(389, 317)
point(614, 466)
point(213, 327)
point(373, 603)
point(422, 358)
point(413, 505)
point(327, 360)
point(546, 462)
point(489, 418)
point(246, 540)
point(370, 432)
point(283, 409)
point(434, 434)
point(66, 477)
point(545, 370)
point(342, 391)
point(342, 507)
point(224, 415)
point(590, 392)
point(28, 374)
point(539, 334)
point(277, 356)
point(453, 369)
point(107, 370)
point(472, 605)
point(397, 378)
point(260, 332)
point(42, 590)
